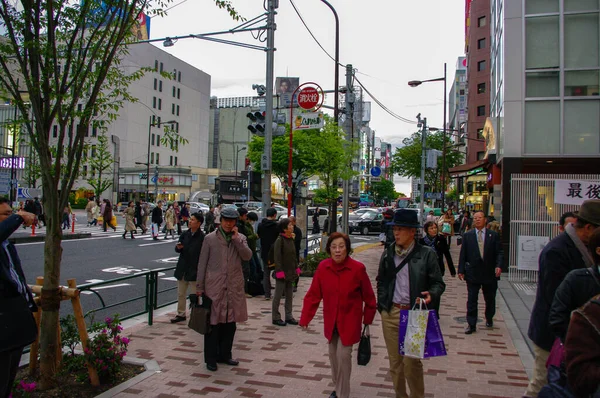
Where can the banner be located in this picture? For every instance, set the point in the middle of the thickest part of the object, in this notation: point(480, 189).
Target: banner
point(284, 88)
point(305, 121)
point(574, 192)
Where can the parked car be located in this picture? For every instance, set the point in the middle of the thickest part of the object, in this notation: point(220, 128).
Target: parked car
point(358, 213)
point(198, 207)
point(253, 205)
point(368, 222)
point(323, 214)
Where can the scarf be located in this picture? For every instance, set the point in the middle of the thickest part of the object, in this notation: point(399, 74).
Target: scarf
point(400, 252)
point(430, 241)
point(585, 254)
point(226, 235)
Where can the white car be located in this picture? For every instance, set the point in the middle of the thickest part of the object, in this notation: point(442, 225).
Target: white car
point(198, 207)
point(281, 211)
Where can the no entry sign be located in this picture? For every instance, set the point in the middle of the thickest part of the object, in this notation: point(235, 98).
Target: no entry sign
point(308, 98)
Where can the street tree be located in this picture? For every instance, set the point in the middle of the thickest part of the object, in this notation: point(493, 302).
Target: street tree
point(406, 162)
point(66, 56)
point(100, 163)
point(383, 190)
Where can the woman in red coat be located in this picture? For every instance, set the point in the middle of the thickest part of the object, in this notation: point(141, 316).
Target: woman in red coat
point(343, 285)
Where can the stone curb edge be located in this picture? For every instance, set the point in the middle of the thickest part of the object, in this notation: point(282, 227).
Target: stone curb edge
point(152, 367)
point(366, 247)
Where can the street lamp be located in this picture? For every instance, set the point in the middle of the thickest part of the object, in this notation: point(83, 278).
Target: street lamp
point(415, 83)
point(237, 153)
point(151, 124)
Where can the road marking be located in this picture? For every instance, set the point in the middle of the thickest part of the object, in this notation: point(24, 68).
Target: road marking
point(170, 278)
point(105, 287)
point(361, 238)
point(158, 243)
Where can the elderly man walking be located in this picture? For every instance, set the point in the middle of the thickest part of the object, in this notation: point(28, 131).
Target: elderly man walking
point(220, 279)
point(408, 273)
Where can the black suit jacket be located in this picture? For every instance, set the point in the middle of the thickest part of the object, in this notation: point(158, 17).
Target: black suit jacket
point(470, 263)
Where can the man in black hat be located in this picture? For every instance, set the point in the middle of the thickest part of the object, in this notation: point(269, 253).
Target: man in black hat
point(564, 253)
point(397, 291)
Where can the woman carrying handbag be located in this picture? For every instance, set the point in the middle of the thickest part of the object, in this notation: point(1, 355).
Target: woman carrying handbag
point(344, 286)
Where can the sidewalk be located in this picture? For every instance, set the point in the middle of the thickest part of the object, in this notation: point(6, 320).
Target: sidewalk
point(287, 362)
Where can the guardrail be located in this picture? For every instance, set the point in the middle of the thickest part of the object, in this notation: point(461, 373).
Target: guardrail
point(313, 245)
point(150, 294)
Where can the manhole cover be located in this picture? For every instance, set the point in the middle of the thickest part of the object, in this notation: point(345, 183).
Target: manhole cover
point(463, 319)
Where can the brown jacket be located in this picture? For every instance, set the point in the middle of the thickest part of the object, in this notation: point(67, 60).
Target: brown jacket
point(220, 276)
point(129, 214)
point(284, 254)
point(582, 348)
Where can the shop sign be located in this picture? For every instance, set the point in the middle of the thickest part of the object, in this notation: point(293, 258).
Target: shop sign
point(475, 171)
point(8, 163)
point(166, 180)
point(305, 121)
point(574, 192)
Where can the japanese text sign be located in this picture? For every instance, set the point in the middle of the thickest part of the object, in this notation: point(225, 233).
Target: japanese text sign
point(574, 192)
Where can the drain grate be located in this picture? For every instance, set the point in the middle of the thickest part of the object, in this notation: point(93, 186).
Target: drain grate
point(525, 286)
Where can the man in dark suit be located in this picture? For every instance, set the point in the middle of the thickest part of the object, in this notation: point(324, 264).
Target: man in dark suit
point(480, 265)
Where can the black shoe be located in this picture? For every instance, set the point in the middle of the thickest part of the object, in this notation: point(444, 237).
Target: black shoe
point(333, 395)
point(279, 323)
point(230, 362)
point(489, 324)
point(470, 329)
point(212, 367)
point(178, 318)
point(291, 321)
point(155, 238)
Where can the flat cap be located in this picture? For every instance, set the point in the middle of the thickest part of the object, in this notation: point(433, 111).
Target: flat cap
point(230, 212)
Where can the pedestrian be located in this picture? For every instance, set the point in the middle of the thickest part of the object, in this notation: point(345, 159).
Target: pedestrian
point(14, 294)
point(578, 287)
point(494, 226)
point(39, 212)
point(344, 287)
point(440, 245)
point(582, 349)
point(185, 215)
point(189, 248)
point(177, 213)
point(326, 229)
point(139, 217)
point(297, 244)
point(408, 273)
point(315, 220)
point(209, 224)
point(446, 225)
point(220, 279)
point(107, 216)
point(256, 271)
point(157, 219)
point(243, 229)
point(466, 223)
point(66, 218)
point(89, 210)
point(217, 213)
point(480, 265)
point(387, 234)
point(170, 221)
point(564, 253)
point(102, 209)
point(431, 217)
point(145, 213)
point(267, 233)
point(129, 215)
point(286, 271)
point(567, 218)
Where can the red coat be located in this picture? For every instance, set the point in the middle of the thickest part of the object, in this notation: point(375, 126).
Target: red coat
point(343, 288)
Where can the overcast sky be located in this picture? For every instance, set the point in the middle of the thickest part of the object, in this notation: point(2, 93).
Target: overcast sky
point(389, 42)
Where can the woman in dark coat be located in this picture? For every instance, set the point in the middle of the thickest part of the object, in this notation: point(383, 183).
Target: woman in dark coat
point(139, 218)
point(286, 272)
point(440, 245)
point(107, 215)
point(315, 220)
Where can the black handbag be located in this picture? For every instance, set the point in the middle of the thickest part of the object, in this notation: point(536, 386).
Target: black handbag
point(364, 348)
point(200, 314)
point(17, 325)
point(458, 240)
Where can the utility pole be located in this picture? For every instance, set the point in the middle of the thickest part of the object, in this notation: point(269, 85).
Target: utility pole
point(444, 148)
point(349, 125)
point(266, 158)
point(423, 124)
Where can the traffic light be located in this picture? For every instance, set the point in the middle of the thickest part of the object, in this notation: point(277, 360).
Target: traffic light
point(143, 176)
point(257, 125)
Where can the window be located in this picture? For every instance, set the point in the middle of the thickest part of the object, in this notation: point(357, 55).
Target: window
point(94, 131)
point(79, 107)
point(582, 41)
point(481, 43)
point(542, 84)
point(461, 92)
point(481, 88)
point(170, 160)
point(160, 86)
point(154, 102)
point(542, 43)
point(481, 66)
point(155, 65)
point(172, 109)
point(157, 162)
point(152, 141)
point(161, 67)
point(582, 127)
point(155, 83)
point(479, 134)
point(542, 127)
point(175, 160)
point(84, 154)
point(173, 91)
point(54, 131)
point(93, 173)
point(178, 93)
point(159, 104)
point(177, 110)
point(152, 158)
point(179, 77)
point(87, 131)
point(481, 22)
point(581, 5)
point(481, 110)
point(93, 151)
point(158, 121)
point(541, 6)
point(84, 172)
point(157, 139)
point(582, 83)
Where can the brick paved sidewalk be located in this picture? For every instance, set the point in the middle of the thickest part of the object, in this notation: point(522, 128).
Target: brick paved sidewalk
point(288, 362)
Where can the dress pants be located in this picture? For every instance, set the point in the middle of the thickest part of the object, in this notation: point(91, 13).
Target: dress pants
point(266, 278)
point(540, 373)
point(404, 370)
point(489, 295)
point(9, 364)
point(182, 289)
point(219, 342)
point(282, 286)
point(340, 357)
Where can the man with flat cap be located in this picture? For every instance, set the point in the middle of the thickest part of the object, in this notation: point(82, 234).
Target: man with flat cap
point(220, 279)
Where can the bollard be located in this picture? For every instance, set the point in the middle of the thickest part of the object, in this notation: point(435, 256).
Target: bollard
point(33, 229)
point(73, 223)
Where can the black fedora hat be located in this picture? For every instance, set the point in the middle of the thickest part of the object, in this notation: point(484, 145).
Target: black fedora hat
point(590, 211)
point(405, 218)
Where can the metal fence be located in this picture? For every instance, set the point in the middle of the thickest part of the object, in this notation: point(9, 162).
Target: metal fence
point(534, 213)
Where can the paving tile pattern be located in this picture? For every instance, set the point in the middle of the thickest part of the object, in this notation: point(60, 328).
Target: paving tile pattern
point(289, 362)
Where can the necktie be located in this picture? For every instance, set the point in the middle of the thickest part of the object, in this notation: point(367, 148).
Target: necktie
point(480, 242)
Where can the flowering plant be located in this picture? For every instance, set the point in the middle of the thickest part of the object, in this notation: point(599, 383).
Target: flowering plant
point(22, 389)
point(107, 349)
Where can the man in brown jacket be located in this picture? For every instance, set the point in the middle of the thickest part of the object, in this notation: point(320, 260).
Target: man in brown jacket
point(220, 278)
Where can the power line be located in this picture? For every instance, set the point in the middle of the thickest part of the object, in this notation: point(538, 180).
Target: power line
point(385, 108)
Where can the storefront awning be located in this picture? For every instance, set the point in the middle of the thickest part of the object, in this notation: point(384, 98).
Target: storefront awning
point(467, 169)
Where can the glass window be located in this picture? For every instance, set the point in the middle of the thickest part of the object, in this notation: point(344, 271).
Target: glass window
point(179, 77)
point(153, 136)
point(93, 151)
point(581, 40)
point(155, 83)
point(157, 159)
point(581, 5)
point(481, 21)
point(178, 93)
point(152, 158)
point(481, 110)
point(480, 155)
point(582, 83)
point(79, 107)
point(159, 104)
point(161, 67)
point(541, 43)
point(94, 131)
point(542, 84)
point(481, 66)
point(177, 110)
point(582, 127)
point(541, 6)
point(157, 139)
point(160, 86)
point(54, 131)
point(175, 160)
point(480, 134)
point(155, 65)
point(170, 160)
point(481, 88)
point(173, 91)
point(84, 173)
point(481, 43)
point(172, 109)
point(542, 127)
point(154, 102)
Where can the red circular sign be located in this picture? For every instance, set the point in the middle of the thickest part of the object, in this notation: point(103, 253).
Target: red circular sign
point(308, 98)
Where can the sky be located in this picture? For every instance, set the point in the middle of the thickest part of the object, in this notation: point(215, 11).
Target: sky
point(388, 42)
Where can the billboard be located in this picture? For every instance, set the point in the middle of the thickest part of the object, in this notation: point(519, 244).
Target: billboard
point(284, 88)
point(377, 148)
point(141, 28)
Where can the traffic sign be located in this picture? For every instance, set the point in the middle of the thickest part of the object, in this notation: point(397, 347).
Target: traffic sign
point(308, 98)
point(154, 180)
point(376, 171)
point(433, 195)
point(375, 179)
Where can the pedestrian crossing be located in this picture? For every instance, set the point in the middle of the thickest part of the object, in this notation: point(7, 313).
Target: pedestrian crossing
point(99, 233)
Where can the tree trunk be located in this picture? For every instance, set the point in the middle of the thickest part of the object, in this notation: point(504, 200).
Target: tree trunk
point(49, 359)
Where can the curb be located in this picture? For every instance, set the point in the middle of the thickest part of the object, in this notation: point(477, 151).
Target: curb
point(42, 237)
point(152, 367)
point(366, 247)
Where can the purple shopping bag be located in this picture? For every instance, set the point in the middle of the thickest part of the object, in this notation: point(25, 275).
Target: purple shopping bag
point(557, 354)
point(434, 340)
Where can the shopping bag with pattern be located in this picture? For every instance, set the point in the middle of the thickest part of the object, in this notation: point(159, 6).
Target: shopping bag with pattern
point(413, 329)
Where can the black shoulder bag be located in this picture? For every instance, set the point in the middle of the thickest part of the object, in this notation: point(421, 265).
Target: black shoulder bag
point(364, 348)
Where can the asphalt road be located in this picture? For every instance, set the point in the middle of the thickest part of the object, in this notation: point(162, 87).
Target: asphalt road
point(106, 256)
